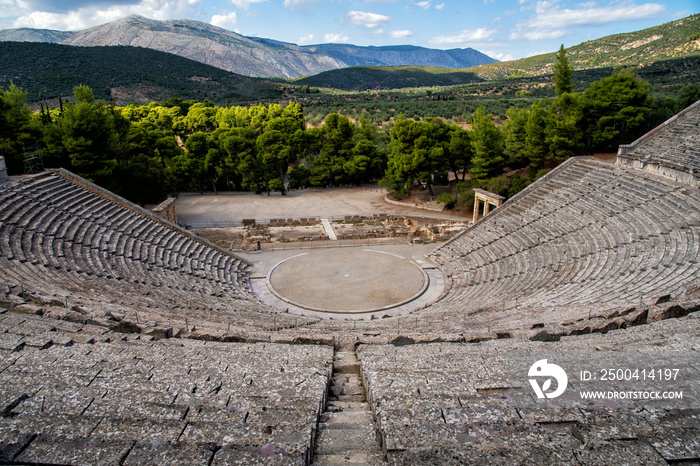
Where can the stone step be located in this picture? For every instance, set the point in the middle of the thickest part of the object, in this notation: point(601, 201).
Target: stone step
point(347, 417)
point(350, 437)
point(347, 432)
point(343, 405)
point(348, 369)
point(346, 363)
point(351, 398)
point(351, 458)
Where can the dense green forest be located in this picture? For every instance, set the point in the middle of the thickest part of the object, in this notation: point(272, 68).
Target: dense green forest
point(145, 152)
point(362, 78)
point(124, 74)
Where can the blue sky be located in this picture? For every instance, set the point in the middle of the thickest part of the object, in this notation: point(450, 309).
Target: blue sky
point(503, 29)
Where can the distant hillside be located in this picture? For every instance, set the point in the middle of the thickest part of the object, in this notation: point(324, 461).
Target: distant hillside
point(384, 78)
point(34, 35)
point(402, 55)
point(661, 44)
point(248, 56)
point(124, 74)
point(668, 41)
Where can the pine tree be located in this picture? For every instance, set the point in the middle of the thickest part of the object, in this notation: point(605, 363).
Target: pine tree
point(515, 132)
point(535, 143)
point(487, 141)
point(562, 73)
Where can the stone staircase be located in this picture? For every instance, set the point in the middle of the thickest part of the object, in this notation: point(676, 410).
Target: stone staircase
point(347, 432)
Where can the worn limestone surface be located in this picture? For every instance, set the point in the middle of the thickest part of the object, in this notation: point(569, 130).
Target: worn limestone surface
point(463, 404)
point(125, 339)
point(147, 402)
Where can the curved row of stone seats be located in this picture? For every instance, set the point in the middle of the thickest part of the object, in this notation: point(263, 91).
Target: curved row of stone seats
point(590, 237)
point(672, 149)
point(62, 238)
point(448, 403)
point(81, 394)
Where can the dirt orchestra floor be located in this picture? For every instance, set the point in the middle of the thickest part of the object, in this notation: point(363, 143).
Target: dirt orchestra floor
point(353, 279)
point(231, 207)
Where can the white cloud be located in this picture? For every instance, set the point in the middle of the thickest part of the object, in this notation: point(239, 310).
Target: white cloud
point(550, 21)
point(226, 21)
point(300, 5)
point(536, 34)
point(368, 20)
point(335, 38)
point(591, 15)
point(89, 16)
point(440, 7)
point(305, 39)
point(61, 6)
point(534, 54)
point(400, 34)
point(464, 36)
point(500, 56)
point(424, 5)
point(245, 4)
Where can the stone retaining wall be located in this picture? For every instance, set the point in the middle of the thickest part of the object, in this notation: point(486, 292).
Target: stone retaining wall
point(433, 206)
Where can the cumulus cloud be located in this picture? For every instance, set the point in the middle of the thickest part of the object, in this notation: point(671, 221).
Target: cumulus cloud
point(368, 20)
point(591, 15)
point(424, 5)
point(400, 34)
point(536, 33)
point(541, 52)
point(440, 7)
point(61, 6)
point(93, 15)
point(335, 38)
point(245, 4)
point(550, 21)
point(227, 21)
point(467, 35)
point(300, 5)
point(305, 39)
point(500, 56)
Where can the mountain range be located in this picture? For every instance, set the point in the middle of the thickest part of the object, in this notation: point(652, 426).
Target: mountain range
point(248, 56)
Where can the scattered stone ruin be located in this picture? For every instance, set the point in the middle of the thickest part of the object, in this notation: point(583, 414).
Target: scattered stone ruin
point(166, 210)
point(126, 339)
point(3, 170)
point(488, 198)
point(369, 228)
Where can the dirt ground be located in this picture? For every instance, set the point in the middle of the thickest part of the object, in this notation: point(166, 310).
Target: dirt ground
point(228, 209)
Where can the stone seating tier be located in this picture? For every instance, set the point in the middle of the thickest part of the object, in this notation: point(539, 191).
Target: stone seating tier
point(674, 145)
point(63, 385)
point(87, 248)
point(464, 404)
point(575, 242)
point(587, 239)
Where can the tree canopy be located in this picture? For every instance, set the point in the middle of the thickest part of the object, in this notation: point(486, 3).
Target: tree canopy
point(562, 73)
point(145, 152)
